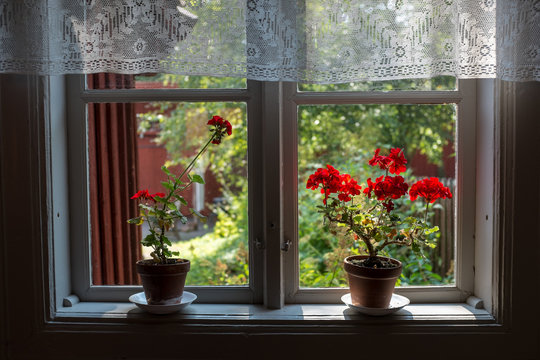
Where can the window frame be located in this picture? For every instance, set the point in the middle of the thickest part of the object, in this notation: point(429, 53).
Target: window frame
point(464, 97)
point(32, 110)
point(272, 111)
point(78, 98)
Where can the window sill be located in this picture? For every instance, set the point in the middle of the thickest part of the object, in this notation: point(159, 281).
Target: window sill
point(307, 314)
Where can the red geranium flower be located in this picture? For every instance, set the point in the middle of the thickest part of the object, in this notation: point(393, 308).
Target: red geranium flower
point(394, 163)
point(380, 160)
point(371, 186)
point(349, 188)
point(397, 161)
point(329, 179)
point(392, 187)
point(430, 189)
point(143, 195)
point(221, 127)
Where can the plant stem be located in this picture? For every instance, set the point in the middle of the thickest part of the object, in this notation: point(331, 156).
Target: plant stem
point(426, 212)
point(189, 167)
point(177, 181)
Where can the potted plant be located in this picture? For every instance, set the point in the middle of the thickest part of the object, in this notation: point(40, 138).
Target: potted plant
point(163, 276)
point(370, 216)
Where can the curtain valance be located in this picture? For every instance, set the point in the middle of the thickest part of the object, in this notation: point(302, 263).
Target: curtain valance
point(317, 41)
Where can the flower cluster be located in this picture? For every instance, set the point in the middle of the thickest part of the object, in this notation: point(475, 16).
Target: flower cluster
point(375, 224)
point(332, 182)
point(430, 189)
point(221, 127)
point(162, 210)
point(391, 187)
point(394, 162)
point(145, 195)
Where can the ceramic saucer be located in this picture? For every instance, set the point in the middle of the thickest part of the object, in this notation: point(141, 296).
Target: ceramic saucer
point(397, 302)
point(140, 300)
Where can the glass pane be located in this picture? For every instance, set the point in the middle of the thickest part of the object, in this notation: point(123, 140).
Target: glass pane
point(436, 83)
point(170, 134)
point(162, 81)
point(345, 136)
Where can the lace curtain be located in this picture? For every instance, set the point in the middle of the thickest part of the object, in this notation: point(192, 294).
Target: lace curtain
point(314, 41)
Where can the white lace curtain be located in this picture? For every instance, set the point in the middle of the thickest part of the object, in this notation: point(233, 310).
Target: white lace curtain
point(316, 41)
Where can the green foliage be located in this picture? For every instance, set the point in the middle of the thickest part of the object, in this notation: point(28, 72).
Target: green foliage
point(221, 257)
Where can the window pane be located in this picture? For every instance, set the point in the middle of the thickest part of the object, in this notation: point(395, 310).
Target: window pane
point(345, 136)
point(168, 133)
point(162, 81)
point(436, 83)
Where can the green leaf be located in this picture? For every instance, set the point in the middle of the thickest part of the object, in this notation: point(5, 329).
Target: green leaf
point(198, 179)
point(137, 221)
point(166, 240)
point(161, 214)
point(181, 199)
point(160, 199)
point(149, 240)
point(166, 170)
point(168, 185)
point(172, 206)
point(432, 230)
point(199, 215)
point(146, 207)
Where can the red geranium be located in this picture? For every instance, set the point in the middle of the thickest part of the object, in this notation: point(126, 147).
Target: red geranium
point(163, 209)
point(332, 182)
point(371, 220)
point(329, 179)
point(380, 160)
point(430, 189)
point(397, 161)
point(145, 195)
point(349, 187)
point(221, 127)
point(394, 163)
point(392, 187)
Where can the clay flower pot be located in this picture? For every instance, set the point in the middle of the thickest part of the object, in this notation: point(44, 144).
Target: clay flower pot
point(163, 284)
point(371, 288)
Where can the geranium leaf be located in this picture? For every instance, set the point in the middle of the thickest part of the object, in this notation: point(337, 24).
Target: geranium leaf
point(198, 179)
point(166, 171)
point(167, 185)
point(199, 215)
point(181, 199)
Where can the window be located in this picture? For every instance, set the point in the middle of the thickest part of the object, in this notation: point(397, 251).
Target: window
point(117, 328)
point(277, 117)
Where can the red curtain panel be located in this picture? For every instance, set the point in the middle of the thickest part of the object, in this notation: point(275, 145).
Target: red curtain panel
point(112, 153)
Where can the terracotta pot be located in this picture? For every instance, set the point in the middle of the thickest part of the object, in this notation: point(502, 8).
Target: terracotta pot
point(163, 283)
point(371, 287)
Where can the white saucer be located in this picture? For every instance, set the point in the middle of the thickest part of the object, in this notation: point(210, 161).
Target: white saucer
point(397, 302)
point(140, 300)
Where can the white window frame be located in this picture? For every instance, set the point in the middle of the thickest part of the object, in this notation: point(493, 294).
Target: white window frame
point(78, 98)
point(465, 100)
point(272, 111)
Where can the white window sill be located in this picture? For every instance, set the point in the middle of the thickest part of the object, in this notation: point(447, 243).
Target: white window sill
point(458, 313)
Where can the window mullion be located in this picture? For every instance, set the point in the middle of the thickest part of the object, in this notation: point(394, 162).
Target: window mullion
point(273, 193)
point(466, 187)
point(289, 145)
